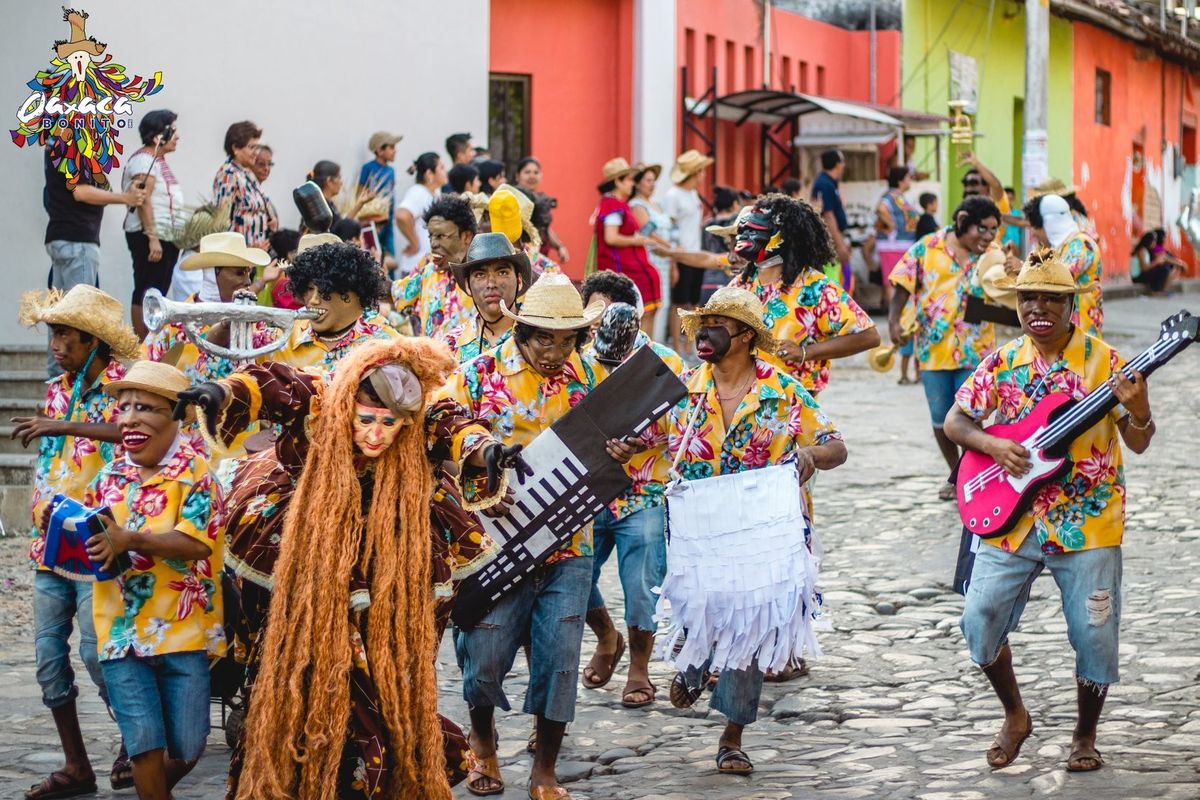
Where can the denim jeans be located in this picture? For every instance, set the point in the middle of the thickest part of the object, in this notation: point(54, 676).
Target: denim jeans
point(1089, 582)
point(71, 263)
point(641, 545)
point(161, 701)
point(57, 601)
point(940, 386)
point(737, 693)
point(546, 609)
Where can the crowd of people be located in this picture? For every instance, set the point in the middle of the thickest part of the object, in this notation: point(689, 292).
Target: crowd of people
point(304, 516)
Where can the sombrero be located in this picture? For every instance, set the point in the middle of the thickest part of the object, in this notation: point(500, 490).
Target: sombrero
point(225, 249)
point(733, 303)
point(688, 164)
point(86, 308)
point(553, 303)
point(1044, 271)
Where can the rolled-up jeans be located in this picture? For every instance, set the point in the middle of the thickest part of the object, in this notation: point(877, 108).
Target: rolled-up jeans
point(547, 610)
point(57, 602)
point(737, 694)
point(640, 541)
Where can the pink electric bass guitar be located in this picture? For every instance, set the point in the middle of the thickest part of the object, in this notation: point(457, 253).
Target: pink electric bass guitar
point(990, 500)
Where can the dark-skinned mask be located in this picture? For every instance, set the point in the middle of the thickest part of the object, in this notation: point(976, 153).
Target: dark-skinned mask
point(757, 236)
point(718, 340)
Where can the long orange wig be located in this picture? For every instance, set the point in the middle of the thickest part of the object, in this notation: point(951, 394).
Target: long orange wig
point(297, 721)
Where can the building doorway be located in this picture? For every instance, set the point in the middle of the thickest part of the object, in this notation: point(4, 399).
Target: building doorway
point(508, 117)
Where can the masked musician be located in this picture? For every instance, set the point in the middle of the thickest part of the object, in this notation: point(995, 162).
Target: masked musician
point(937, 274)
point(315, 604)
point(1076, 523)
point(1054, 226)
point(741, 414)
point(785, 245)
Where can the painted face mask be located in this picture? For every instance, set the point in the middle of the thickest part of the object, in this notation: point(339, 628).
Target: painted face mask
point(375, 429)
point(712, 343)
point(757, 237)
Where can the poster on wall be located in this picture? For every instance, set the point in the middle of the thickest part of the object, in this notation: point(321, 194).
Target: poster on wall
point(964, 81)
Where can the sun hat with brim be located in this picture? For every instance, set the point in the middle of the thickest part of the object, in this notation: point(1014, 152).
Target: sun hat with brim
point(154, 377)
point(688, 164)
point(225, 249)
point(85, 308)
point(736, 304)
point(1043, 271)
point(641, 169)
point(1054, 186)
point(487, 248)
point(310, 240)
point(614, 169)
point(553, 303)
point(730, 231)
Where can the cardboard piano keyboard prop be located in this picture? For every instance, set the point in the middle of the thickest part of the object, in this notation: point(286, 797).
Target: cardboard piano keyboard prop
point(573, 479)
point(71, 525)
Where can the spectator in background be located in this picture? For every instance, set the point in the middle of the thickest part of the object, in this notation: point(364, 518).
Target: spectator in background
point(683, 205)
point(378, 177)
point(792, 188)
point(491, 175)
point(1156, 264)
point(264, 162)
point(463, 179)
point(928, 223)
point(459, 148)
point(430, 174)
point(825, 189)
point(208, 218)
point(285, 243)
point(235, 182)
point(726, 205)
point(1014, 221)
point(150, 228)
point(895, 225)
point(619, 245)
point(656, 224)
point(529, 177)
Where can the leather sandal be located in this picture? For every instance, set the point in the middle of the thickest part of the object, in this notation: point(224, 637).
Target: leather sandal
point(60, 784)
point(121, 774)
point(726, 754)
point(548, 793)
point(683, 695)
point(1082, 762)
point(999, 757)
point(606, 662)
point(639, 696)
point(478, 768)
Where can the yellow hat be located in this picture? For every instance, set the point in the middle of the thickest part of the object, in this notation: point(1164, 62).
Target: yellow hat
point(85, 308)
point(553, 303)
point(154, 377)
point(733, 303)
point(505, 214)
point(226, 249)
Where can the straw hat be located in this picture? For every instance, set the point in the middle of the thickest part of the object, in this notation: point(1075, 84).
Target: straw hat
point(208, 218)
point(79, 39)
point(730, 231)
point(640, 169)
point(1043, 271)
point(553, 303)
point(616, 168)
point(382, 138)
point(85, 308)
point(226, 249)
point(688, 164)
point(1054, 186)
point(991, 268)
point(733, 303)
point(154, 377)
point(490, 247)
point(310, 240)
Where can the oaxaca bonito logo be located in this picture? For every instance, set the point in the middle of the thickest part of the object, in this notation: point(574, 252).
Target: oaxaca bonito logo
point(79, 105)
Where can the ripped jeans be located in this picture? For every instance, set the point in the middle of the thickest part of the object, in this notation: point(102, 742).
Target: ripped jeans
point(1089, 582)
point(547, 610)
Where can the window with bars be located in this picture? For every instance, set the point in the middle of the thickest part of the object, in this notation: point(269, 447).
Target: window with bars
point(1103, 97)
point(508, 117)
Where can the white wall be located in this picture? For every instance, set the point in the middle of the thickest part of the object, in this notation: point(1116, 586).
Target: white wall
point(318, 77)
point(655, 106)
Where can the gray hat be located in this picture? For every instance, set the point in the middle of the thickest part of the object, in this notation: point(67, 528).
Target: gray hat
point(489, 247)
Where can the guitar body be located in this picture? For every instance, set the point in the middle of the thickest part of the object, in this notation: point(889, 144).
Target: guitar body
point(990, 501)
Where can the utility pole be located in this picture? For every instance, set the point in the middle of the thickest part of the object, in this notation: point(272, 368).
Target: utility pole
point(1034, 160)
point(873, 66)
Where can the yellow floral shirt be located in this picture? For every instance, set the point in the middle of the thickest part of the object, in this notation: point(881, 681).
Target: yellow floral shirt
point(433, 297)
point(813, 309)
point(940, 287)
point(1085, 508)
point(1081, 254)
point(162, 605)
point(305, 350)
point(500, 387)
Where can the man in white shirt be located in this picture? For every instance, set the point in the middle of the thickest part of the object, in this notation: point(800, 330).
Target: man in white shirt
point(683, 204)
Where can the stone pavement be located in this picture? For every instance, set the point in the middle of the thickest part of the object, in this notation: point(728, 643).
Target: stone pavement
point(894, 709)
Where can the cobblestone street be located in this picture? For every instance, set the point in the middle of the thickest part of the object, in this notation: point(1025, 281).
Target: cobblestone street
point(894, 709)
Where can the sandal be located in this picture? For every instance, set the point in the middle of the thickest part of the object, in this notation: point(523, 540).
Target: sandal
point(796, 668)
point(483, 768)
point(599, 661)
point(548, 793)
point(947, 492)
point(1080, 762)
point(60, 784)
point(639, 696)
point(683, 695)
point(725, 754)
point(999, 757)
point(121, 775)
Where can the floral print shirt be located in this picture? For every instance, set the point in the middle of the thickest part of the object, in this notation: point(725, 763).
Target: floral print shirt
point(501, 387)
point(66, 465)
point(250, 210)
point(1081, 254)
point(813, 309)
point(305, 350)
point(162, 605)
point(433, 297)
point(467, 342)
point(940, 288)
point(1085, 508)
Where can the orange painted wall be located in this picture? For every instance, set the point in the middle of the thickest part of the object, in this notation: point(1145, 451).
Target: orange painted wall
point(1148, 102)
point(819, 59)
point(579, 54)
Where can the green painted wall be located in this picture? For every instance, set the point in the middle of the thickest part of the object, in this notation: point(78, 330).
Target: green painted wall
point(934, 27)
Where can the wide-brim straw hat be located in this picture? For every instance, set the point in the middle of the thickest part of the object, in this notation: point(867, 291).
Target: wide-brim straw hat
point(732, 303)
point(1054, 186)
point(730, 231)
point(225, 249)
point(1043, 271)
point(154, 377)
point(990, 269)
point(208, 218)
point(688, 164)
point(553, 303)
point(641, 169)
point(614, 169)
point(487, 248)
point(85, 308)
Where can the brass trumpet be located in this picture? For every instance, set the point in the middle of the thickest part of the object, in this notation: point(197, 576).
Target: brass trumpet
point(243, 314)
point(883, 357)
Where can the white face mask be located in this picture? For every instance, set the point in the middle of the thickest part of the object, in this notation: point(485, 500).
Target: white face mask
point(375, 429)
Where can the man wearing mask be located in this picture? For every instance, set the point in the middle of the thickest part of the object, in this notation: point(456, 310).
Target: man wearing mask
point(429, 295)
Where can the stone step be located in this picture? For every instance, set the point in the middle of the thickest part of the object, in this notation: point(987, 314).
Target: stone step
point(23, 357)
point(11, 446)
point(14, 509)
point(16, 470)
point(18, 407)
point(23, 384)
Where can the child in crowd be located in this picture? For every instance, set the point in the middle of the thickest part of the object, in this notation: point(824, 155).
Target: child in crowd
point(928, 223)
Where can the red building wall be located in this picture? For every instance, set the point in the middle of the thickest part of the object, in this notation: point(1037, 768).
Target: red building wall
point(806, 56)
point(1149, 108)
point(579, 54)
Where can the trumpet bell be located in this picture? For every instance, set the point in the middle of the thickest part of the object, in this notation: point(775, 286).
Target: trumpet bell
point(882, 358)
point(154, 309)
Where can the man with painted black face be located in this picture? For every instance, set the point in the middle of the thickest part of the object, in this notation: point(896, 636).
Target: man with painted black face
point(937, 274)
point(493, 276)
point(522, 387)
point(1076, 523)
point(429, 293)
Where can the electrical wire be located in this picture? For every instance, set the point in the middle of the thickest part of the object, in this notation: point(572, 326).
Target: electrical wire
point(928, 51)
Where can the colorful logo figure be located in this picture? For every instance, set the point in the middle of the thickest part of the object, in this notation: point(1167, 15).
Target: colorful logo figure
point(79, 105)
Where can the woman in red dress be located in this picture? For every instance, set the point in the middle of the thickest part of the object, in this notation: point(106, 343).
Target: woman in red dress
point(620, 247)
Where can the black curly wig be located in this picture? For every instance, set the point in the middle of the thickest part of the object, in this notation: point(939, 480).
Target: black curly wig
point(806, 242)
point(339, 269)
point(453, 208)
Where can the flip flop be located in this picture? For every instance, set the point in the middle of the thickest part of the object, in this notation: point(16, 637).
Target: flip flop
point(997, 749)
point(600, 679)
point(726, 754)
point(121, 774)
point(639, 691)
point(1076, 758)
point(59, 784)
point(478, 768)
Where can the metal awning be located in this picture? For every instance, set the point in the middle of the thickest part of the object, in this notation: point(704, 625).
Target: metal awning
point(769, 106)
